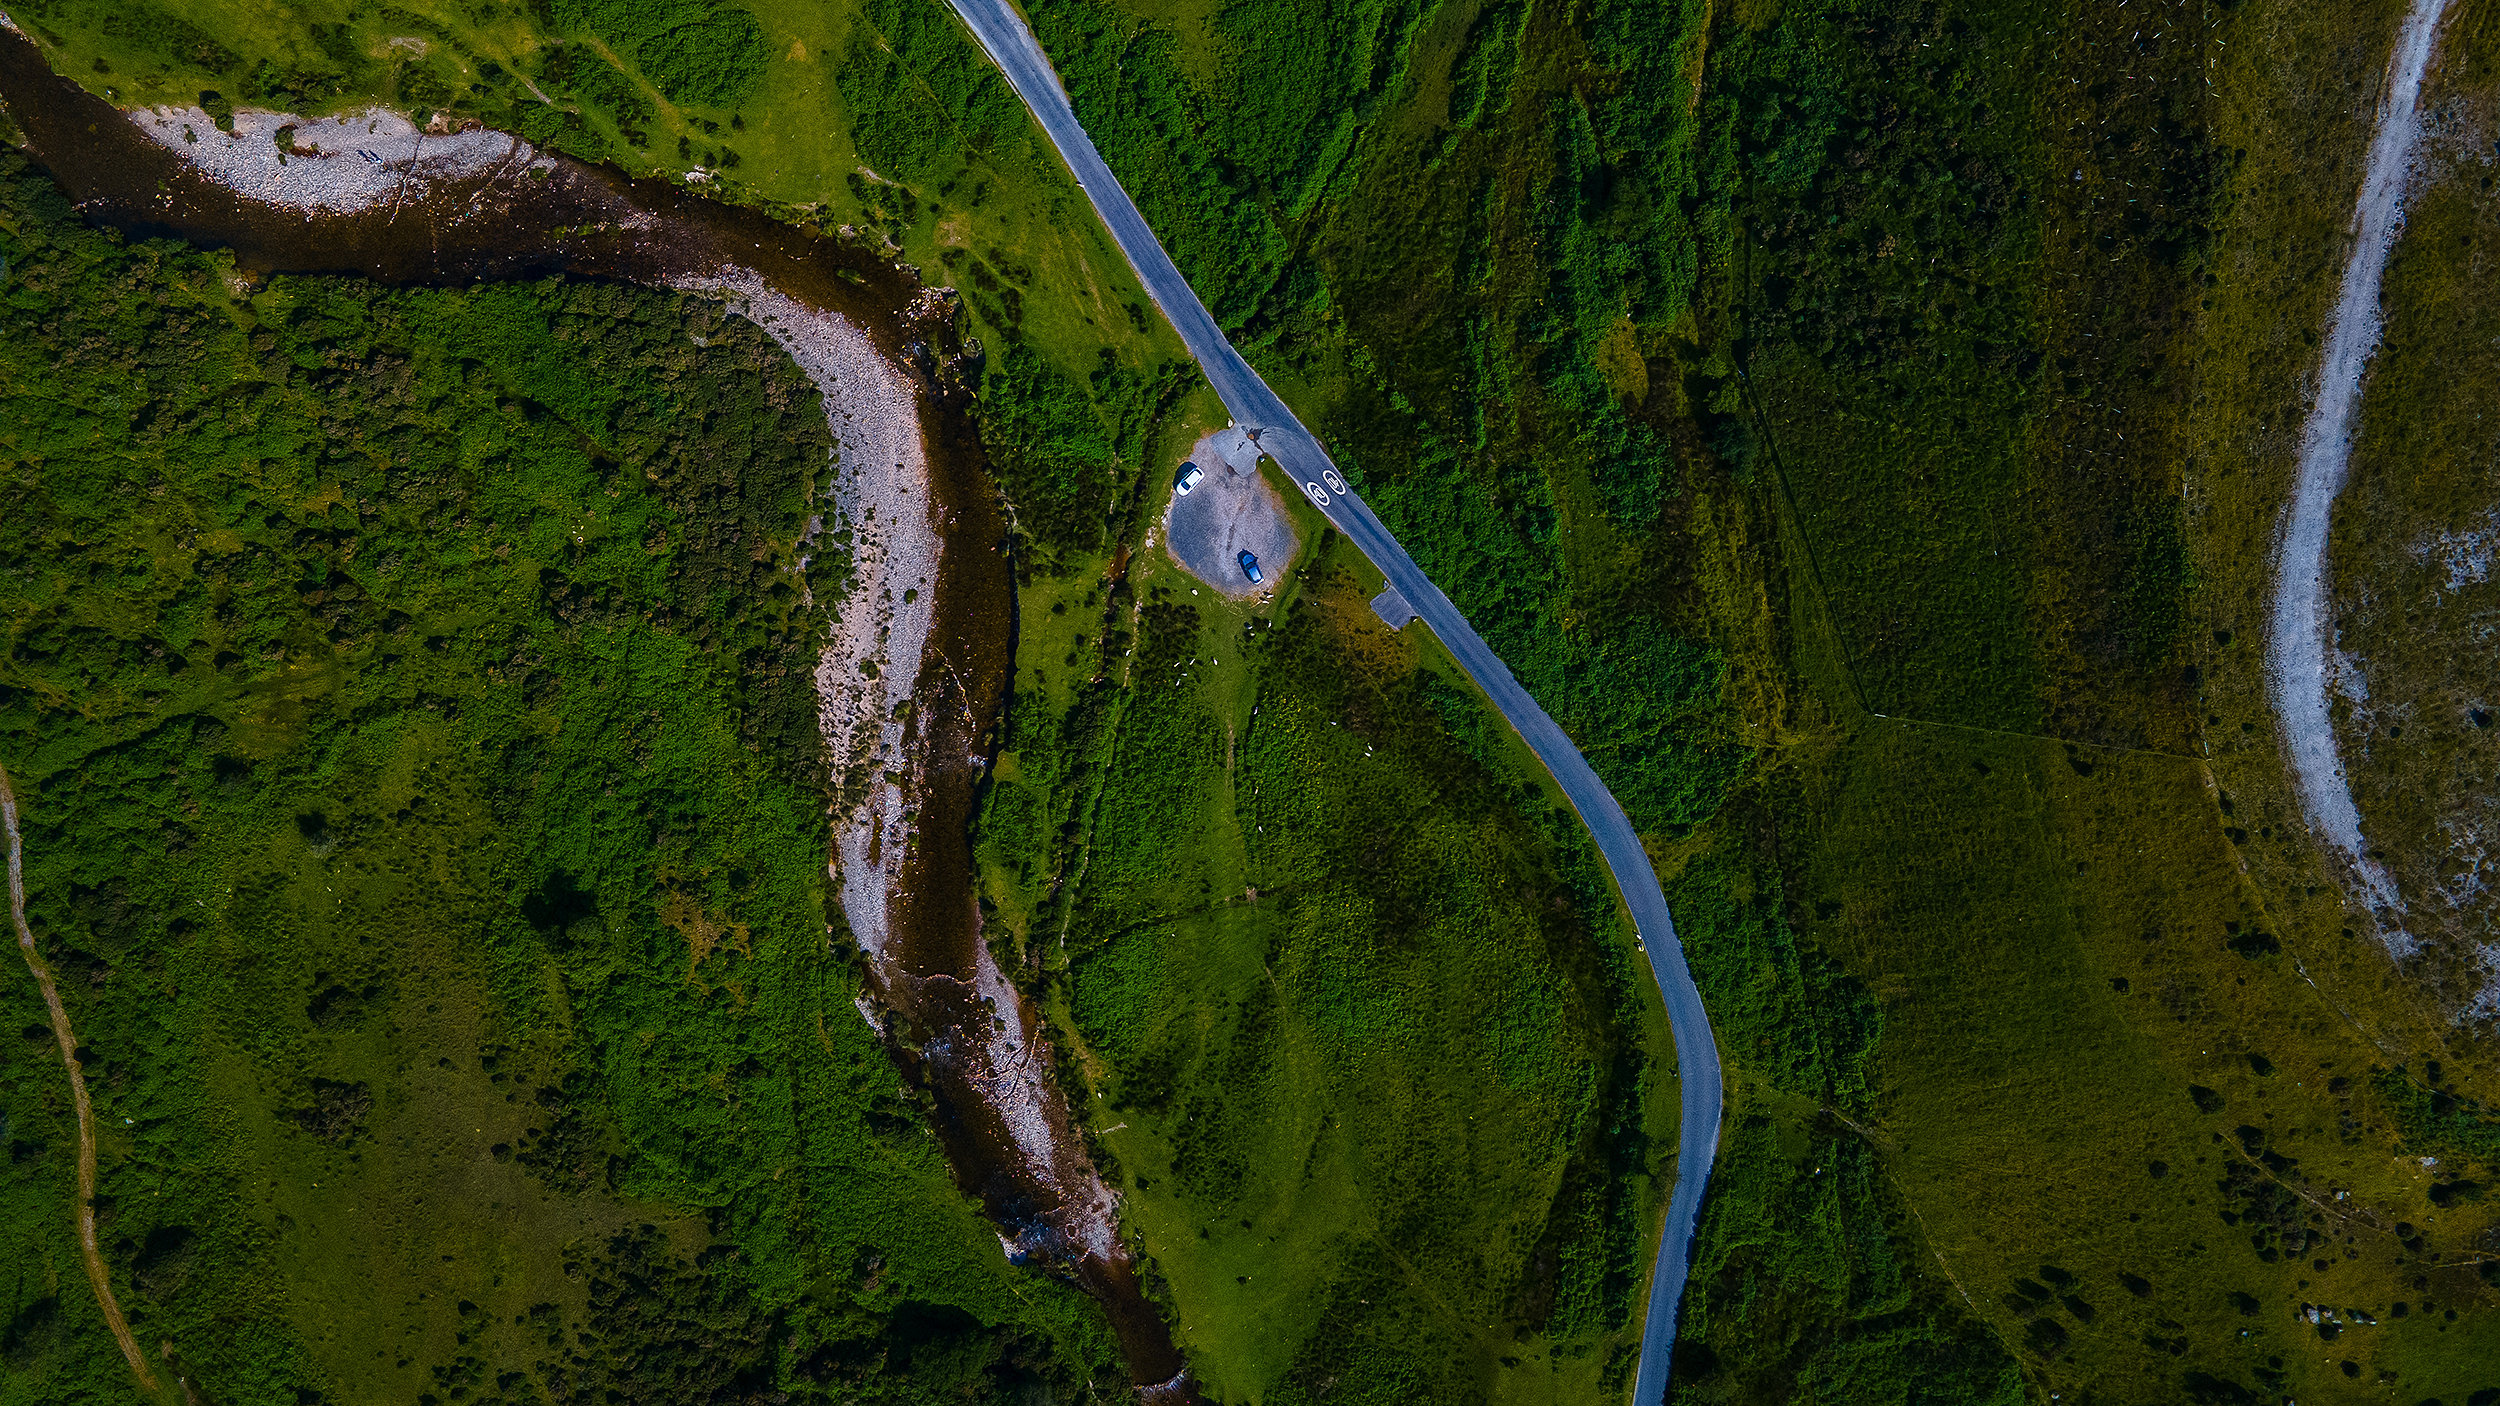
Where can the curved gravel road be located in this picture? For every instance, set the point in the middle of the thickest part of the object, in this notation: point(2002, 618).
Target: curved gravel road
point(2298, 644)
point(1011, 45)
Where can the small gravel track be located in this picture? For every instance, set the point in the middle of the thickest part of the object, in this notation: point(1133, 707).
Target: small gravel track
point(2301, 661)
point(87, 1247)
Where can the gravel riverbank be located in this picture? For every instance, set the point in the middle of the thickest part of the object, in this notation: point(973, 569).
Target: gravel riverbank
point(336, 165)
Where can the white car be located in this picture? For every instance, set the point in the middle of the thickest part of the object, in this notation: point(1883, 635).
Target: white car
point(1188, 479)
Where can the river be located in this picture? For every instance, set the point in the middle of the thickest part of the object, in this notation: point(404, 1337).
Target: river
point(952, 1022)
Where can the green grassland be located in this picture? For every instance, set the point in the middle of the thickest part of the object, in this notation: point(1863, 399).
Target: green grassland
point(1349, 998)
point(1862, 423)
point(410, 694)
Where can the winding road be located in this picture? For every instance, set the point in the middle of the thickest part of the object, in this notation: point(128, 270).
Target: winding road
point(1003, 33)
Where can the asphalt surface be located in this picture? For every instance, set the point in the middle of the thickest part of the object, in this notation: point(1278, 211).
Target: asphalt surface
point(1011, 45)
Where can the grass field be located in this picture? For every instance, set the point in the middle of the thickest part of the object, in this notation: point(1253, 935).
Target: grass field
point(1360, 1026)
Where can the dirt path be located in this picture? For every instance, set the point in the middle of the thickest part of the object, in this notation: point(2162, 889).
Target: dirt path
point(2302, 666)
point(78, 1094)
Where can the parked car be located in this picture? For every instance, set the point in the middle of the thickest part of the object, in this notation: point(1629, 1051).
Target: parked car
point(1250, 567)
point(1189, 476)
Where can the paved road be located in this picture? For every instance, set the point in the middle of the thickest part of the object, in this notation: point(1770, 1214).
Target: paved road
point(1012, 46)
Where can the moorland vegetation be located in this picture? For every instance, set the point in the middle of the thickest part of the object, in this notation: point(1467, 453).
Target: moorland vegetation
point(1870, 356)
point(1858, 422)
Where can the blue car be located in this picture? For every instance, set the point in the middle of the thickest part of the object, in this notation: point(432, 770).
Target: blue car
point(1250, 567)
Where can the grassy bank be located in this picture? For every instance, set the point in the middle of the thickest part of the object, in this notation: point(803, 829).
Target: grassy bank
point(879, 123)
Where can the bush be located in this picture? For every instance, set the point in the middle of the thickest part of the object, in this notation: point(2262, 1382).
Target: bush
point(699, 52)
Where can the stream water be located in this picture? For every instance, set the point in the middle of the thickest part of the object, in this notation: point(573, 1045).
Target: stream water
point(554, 215)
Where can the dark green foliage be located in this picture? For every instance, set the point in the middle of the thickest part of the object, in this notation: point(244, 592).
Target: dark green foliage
point(679, 1332)
point(409, 695)
point(1808, 1280)
point(177, 40)
point(1940, 271)
point(1806, 1285)
point(575, 71)
point(2434, 1120)
point(924, 101)
point(2254, 943)
point(1065, 451)
point(704, 52)
point(711, 61)
point(1782, 1006)
point(2269, 1213)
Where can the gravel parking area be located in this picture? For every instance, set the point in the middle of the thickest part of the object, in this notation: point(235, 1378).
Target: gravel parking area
point(1233, 509)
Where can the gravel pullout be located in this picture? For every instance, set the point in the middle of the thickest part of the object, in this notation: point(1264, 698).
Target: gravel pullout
point(1232, 509)
point(2302, 664)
